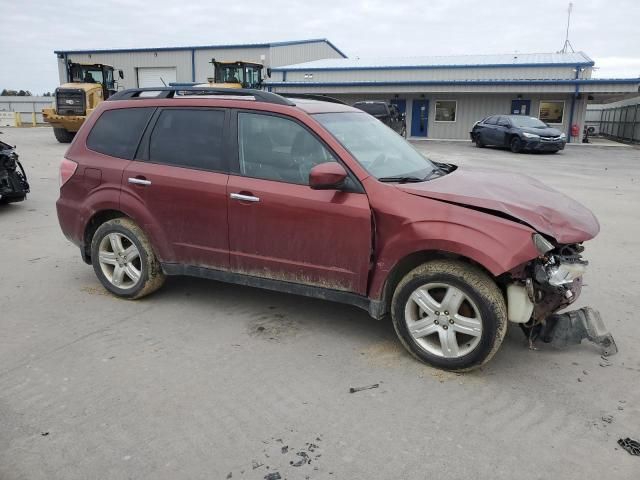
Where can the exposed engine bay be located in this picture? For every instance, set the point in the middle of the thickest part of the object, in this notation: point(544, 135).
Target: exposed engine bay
point(539, 289)
point(13, 179)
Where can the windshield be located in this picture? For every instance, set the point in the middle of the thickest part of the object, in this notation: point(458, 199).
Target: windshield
point(372, 108)
point(527, 122)
point(86, 74)
point(231, 74)
point(380, 150)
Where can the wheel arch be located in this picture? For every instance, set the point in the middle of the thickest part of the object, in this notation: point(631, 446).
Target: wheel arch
point(413, 260)
point(97, 219)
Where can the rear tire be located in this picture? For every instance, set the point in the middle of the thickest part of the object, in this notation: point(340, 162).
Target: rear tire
point(516, 145)
point(478, 141)
point(124, 261)
point(449, 314)
point(62, 135)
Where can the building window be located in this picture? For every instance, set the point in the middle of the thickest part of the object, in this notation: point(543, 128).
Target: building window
point(446, 110)
point(551, 112)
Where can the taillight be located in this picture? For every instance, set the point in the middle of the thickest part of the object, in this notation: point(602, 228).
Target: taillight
point(67, 169)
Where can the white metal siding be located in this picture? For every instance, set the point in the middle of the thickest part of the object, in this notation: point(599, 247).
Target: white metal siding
point(156, 76)
point(304, 52)
point(433, 74)
point(128, 62)
point(204, 69)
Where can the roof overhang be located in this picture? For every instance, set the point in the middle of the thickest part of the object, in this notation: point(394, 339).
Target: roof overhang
point(616, 85)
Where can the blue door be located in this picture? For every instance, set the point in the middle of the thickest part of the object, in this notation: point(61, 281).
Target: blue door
point(520, 107)
point(419, 118)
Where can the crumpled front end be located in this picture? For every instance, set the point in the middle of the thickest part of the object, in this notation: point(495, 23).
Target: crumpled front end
point(13, 179)
point(547, 284)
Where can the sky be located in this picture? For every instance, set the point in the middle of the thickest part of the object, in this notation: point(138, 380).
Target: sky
point(606, 30)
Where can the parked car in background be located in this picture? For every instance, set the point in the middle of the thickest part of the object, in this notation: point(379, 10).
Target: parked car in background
point(323, 200)
point(13, 179)
point(518, 133)
point(387, 113)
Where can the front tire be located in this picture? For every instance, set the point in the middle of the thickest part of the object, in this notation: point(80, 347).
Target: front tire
point(449, 314)
point(516, 145)
point(124, 261)
point(62, 135)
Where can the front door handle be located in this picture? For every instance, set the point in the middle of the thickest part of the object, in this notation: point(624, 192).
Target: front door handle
point(139, 181)
point(244, 198)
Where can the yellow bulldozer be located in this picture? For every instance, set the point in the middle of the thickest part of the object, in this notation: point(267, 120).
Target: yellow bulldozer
point(87, 85)
point(238, 74)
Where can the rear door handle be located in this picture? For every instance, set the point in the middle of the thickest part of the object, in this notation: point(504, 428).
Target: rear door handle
point(139, 181)
point(244, 198)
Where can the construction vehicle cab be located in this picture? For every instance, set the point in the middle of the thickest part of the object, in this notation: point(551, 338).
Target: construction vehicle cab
point(87, 86)
point(237, 74)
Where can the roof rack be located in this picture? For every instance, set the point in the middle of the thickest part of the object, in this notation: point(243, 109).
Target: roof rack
point(311, 96)
point(173, 92)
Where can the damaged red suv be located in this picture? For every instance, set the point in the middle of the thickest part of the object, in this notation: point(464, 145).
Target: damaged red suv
point(319, 199)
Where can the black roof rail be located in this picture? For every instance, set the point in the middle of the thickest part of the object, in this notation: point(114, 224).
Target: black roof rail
point(313, 96)
point(170, 92)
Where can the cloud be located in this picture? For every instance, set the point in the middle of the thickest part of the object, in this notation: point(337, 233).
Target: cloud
point(32, 29)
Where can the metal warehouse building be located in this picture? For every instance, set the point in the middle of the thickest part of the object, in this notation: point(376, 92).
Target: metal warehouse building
point(442, 96)
point(149, 67)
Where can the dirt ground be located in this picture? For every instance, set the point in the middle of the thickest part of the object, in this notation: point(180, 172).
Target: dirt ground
point(211, 381)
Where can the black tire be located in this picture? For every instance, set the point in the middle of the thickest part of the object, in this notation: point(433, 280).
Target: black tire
point(515, 145)
point(477, 286)
point(151, 275)
point(478, 141)
point(63, 136)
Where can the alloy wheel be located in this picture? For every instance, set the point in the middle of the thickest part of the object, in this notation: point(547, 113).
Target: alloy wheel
point(119, 260)
point(443, 320)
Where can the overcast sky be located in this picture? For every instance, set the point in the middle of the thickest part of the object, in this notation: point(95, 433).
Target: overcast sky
point(607, 30)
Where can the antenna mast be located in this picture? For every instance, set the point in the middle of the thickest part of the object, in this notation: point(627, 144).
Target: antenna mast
point(567, 44)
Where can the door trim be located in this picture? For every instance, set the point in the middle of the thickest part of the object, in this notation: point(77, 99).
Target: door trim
point(375, 308)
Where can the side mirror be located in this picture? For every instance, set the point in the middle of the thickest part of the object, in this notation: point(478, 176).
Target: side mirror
point(327, 176)
point(120, 74)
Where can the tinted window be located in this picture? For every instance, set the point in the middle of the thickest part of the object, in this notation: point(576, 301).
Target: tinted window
point(117, 132)
point(189, 138)
point(275, 148)
point(491, 120)
point(503, 122)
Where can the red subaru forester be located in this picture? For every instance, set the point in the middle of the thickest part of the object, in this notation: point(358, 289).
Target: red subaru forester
point(320, 199)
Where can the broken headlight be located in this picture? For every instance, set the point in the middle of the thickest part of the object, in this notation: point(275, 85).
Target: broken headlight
point(542, 244)
point(564, 273)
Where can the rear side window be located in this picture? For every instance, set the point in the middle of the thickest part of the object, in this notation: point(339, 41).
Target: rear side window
point(190, 138)
point(117, 132)
point(491, 120)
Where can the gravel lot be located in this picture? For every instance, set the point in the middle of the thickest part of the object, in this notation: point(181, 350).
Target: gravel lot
point(206, 380)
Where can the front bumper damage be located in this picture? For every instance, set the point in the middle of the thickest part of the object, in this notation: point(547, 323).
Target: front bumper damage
point(570, 328)
point(545, 286)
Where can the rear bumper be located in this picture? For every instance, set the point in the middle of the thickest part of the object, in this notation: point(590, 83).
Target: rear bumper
point(68, 217)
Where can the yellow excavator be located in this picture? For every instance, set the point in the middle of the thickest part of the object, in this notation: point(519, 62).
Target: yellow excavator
point(238, 74)
point(87, 86)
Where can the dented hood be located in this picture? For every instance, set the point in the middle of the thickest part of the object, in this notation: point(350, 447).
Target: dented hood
point(519, 196)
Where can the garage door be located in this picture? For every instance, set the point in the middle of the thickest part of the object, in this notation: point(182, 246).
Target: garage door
point(155, 76)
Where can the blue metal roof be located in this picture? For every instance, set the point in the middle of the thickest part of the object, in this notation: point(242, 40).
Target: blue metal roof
point(203, 47)
point(451, 61)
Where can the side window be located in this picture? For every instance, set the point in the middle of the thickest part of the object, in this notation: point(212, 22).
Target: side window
point(491, 120)
point(275, 148)
point(117, 132)
point(503, 122)
point(190, 138)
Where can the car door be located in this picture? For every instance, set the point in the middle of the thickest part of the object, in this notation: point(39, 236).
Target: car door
point(279, 228)
point(178, 183)
point(487, 130)
point(502, 131)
